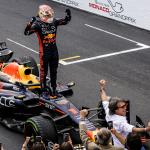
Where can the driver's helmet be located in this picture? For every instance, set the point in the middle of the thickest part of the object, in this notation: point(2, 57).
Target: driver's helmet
point(46, 13)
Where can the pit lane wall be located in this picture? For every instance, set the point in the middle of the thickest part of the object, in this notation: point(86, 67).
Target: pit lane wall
point(133, 12)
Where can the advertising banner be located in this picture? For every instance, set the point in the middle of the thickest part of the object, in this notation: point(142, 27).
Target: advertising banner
point(133, 12)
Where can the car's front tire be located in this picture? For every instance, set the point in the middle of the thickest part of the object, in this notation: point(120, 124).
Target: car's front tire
point(40, 126)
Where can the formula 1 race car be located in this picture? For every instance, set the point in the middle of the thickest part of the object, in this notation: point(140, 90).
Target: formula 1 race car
point(26, 108)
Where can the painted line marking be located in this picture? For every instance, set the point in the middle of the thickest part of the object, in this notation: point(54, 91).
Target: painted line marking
point(108, 55)
point(22, 46)
point(142, 47)
point(74, 57)
point(110, 33)
point(61, 61)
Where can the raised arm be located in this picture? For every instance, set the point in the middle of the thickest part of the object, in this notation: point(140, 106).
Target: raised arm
point(66, 20)
point(103, 95)
point(30, 28)
point(24, 146)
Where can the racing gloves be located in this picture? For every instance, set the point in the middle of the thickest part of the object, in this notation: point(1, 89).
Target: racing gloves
point(68, 12)
point(26, 31)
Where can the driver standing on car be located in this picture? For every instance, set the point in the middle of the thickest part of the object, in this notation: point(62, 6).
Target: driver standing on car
point(45, 26)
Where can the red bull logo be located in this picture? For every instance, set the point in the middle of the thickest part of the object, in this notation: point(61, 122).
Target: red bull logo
point(49, 38)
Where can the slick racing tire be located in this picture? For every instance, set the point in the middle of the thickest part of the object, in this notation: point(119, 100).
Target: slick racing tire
point(32, 63)
point(40, 126)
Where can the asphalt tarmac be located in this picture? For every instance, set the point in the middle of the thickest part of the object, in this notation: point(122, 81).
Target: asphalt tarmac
point(91, 48)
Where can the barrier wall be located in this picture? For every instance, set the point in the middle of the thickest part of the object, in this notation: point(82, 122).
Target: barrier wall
point(133, 12)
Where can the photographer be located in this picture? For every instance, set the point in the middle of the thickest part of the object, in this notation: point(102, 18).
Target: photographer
point(103, 137)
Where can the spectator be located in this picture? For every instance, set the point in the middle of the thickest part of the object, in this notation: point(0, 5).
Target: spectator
point(103, 137)
point(133, 141)
point(66, 146)
point(116, 109)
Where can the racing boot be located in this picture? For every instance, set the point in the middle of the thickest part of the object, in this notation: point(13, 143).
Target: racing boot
point(45, 90)
point(55, 94)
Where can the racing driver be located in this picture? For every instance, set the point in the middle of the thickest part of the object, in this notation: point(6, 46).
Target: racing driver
point(45, 26)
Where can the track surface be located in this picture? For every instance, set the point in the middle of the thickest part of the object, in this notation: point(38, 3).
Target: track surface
point(85, 41)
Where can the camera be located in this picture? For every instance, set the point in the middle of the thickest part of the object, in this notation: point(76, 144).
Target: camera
point(66, 137)
point(110, 125)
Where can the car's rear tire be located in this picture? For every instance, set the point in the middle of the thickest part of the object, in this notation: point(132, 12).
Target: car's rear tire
point(32, 63)
point(40, 126)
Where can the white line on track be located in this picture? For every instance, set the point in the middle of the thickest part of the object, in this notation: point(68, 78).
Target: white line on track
point(107, 55)
point(142, 47)
point(22, 46)
point(110, 33)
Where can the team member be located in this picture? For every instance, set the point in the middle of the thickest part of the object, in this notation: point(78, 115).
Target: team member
point(45, 25)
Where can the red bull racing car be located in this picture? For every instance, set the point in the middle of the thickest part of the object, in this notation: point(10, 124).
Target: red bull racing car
point(24, 107)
